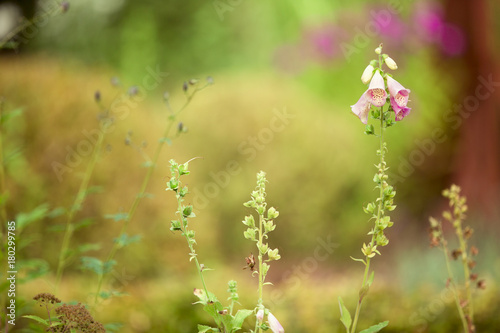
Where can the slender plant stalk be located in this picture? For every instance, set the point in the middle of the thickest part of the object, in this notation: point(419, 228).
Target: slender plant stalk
point(463, 248)
point(452, 283)
point(379, 213)
point(142, 192)
point(77, 204)
point(261, 273)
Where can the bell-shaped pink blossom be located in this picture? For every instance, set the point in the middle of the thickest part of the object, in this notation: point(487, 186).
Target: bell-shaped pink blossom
point(400, 112)
point(398, 92)
point(376, 91)
point(362, 108)
point(274, 324)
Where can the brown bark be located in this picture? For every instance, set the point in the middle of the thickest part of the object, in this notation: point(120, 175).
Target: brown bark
point(477, 162)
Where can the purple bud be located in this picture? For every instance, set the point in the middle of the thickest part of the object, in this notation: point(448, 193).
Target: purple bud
point(185, 86)
point(210, 80)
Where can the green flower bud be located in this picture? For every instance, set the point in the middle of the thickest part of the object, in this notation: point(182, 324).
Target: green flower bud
point(272, 213)
point(187, 211)
point(249, 221)
point(250, 234)
point(175, 225)
point(273, 254)
point(263, 248)
point(173, 184)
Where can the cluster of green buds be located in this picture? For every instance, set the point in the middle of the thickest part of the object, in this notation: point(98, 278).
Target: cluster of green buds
point(377, 210)
point(257, 232)
point(185, 212)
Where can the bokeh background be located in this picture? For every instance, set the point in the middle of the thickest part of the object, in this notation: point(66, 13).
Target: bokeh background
point(285, 76)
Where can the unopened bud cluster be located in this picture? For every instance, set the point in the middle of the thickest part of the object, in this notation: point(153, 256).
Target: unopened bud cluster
point(266, 224)
point(455, 216)
point(185, 212)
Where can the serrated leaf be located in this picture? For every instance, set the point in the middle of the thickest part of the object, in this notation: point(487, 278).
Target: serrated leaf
point(345, 316)
point(376, 328)
point(38, 319)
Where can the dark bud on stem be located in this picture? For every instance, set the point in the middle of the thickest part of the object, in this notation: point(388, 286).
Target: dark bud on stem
point(185, 86)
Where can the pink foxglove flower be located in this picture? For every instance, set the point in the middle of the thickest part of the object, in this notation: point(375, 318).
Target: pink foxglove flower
point(274, 324)
point(399, 98)
point(400, 112)
point(397, 91)
point(362, 108)
point(376, 91)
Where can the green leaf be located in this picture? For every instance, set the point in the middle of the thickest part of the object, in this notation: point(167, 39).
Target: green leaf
point(376, 328)
point(112, 293)
point(83, 223)
point(12, 114)
point(38, 319)
point(24, 219)
point(370, 279)
point(360, 260)
point(166, 140)
point(97, 266)
point(345, 316)
point(124, 239)
point(205, 328)
point(88, 247)
point(239, 318)
point(32, 269)
point(113, 327)
point(117, 217)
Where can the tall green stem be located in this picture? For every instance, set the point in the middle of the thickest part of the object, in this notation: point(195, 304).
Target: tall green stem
point(261, 273)
point(364, 284)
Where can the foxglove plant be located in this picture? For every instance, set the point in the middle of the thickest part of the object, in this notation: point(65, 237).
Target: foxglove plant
point(382, 90)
